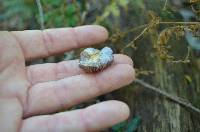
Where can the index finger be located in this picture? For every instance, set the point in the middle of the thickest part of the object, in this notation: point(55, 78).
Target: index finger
point(38, 44)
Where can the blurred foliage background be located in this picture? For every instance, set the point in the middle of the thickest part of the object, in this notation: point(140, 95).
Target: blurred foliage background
point(161, 36)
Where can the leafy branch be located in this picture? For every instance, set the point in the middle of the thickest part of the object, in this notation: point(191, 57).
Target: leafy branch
point(177, 28)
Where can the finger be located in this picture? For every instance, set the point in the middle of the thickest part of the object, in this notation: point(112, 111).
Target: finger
point(55, 71)
point(93, 118)
point(35, 43)
point(56, 95)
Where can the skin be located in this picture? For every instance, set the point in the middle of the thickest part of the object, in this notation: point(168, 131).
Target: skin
point(30, 94)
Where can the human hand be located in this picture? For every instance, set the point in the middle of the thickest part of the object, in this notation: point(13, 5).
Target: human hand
point(29, 94)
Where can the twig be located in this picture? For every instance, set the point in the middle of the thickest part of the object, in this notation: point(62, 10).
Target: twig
point(186, 59)
point(137, 28)
point(129, 31)
point(169, 96)
point(181, 23)
point(165, 5)
point(39, 5)
point(137, 37)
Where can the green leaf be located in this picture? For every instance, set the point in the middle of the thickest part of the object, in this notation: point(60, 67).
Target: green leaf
point(133, 124)
point(119, 127)
point(138, 3)
point(114, 9)
point(71, 9)
point(123, 3)
point(72, 21)
point(58, 21)
point(188, 78)
point(52, 2)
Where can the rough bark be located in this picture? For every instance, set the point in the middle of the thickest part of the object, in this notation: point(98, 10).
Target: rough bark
point(158, 113)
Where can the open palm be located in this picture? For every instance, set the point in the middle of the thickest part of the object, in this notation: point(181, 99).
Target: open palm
point(29, 94)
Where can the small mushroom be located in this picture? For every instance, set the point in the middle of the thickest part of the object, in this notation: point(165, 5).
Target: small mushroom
point(94, 60)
